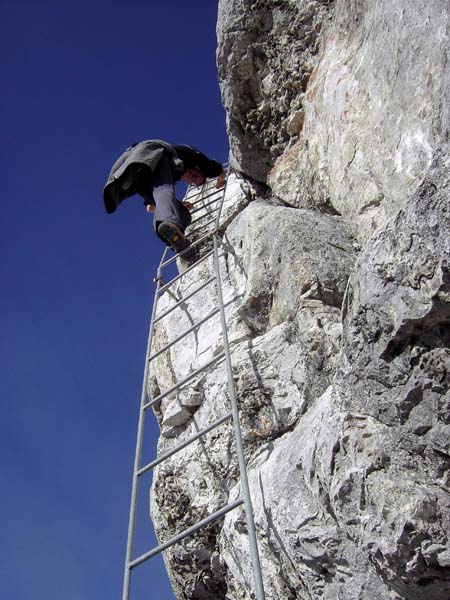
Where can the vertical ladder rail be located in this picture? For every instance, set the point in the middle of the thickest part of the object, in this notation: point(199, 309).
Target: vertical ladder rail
point(249, 516)
point(140, 436)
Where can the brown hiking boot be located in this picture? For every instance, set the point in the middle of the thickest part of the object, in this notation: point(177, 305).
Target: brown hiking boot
point(173, 236)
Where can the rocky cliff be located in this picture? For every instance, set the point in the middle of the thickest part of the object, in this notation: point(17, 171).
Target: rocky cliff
point(335, 261)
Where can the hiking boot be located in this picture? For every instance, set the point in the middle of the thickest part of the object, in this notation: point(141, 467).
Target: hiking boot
point(173, 236)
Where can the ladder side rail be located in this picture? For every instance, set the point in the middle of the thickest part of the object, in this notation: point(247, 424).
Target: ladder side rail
point(254, 553)
point(184, 444)
point(191, 375)
point(184, 299)
point(139, 440)
point(187, 532)
point(224, 191)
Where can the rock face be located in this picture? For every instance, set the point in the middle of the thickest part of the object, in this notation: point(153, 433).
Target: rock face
point(336, 282)
point(375, 111)
point(394, 381)
point(265, 56)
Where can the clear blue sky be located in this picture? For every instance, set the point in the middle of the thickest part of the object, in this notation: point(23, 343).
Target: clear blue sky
point(81, 80)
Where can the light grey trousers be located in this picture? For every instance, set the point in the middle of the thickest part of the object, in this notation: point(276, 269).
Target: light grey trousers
point(162, 192)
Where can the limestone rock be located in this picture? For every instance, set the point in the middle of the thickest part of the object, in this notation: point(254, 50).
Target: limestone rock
point(266, 52)
point(395, 372)
point(309, 258)
point(281, 363)
point(340, 350)
point(376, 108)
point(346, 431)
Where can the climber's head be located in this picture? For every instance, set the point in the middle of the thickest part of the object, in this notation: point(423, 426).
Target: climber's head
point(194, 176)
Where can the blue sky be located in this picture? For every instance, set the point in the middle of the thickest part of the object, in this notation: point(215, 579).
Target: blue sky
point(80, 82)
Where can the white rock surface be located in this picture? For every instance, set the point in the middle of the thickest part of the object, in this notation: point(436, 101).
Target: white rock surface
point(340, 351)
point(373, 112)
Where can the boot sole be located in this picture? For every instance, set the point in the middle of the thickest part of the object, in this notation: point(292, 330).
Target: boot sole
point(173, 236)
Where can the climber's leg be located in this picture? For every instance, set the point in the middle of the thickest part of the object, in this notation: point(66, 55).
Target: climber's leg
point(168, 209)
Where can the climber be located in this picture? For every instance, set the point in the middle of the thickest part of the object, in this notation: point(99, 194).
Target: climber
point(150, 169)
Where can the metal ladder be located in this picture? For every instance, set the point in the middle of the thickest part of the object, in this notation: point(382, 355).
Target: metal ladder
point(214, 204)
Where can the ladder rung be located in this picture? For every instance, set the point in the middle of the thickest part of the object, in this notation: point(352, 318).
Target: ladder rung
point(204, 224)
point(206, 188)
point(187, 442)
point(174, 258)
point(201, 287)
point(203, 206)
point(185, 380)
point(194, 192)
point(202, 227)
point(186, 250)
point(208, 195)
point(196, 243)
point(200, 195)
point(188, 196)
point(185, 333)
point(180, 275)
point(187, 532)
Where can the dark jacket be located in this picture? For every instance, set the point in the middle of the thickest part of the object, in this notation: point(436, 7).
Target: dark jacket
point(133, 169)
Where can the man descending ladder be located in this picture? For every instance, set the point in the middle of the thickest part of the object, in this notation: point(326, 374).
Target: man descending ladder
point(151, 168)
point(214, 202)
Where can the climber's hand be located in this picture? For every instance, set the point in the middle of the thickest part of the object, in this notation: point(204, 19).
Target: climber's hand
point(150, 208)
point(220, 181)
